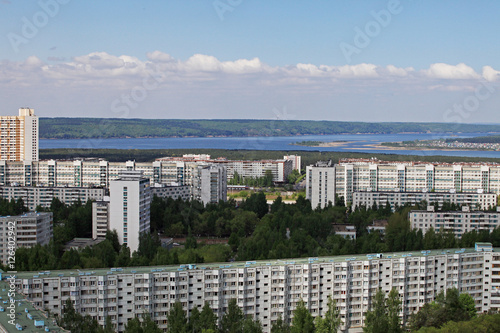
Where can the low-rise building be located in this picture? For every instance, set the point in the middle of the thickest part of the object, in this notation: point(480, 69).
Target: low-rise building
point(33, 196)
point(28, 230)
point(457, 222)
point(477, 199)
point(174, 191)
point(345, 230)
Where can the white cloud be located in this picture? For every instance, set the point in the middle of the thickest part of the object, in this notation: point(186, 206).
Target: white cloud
point(361, 70)
point(396, 71)
point(159, 56)
point(490, 74)
point(102, 77)
point(445, 71)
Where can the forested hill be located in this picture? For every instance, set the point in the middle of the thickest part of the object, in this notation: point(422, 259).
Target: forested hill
point(77, 128)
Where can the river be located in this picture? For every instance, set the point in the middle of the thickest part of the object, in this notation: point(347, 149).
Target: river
point(356, 143)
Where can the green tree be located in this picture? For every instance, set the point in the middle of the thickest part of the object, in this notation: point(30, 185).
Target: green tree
point(331, 322)
point(208, 319)
point(146, 325)
point(280, 326)
point(108, 326)
point(467, 303)
point(376, 319)
point(251, 326)
point(191, 242)
point(194, 321)
point(232, 320)
point(393, 310)
point(303, 321)
point(75, 322)
point(176, 318)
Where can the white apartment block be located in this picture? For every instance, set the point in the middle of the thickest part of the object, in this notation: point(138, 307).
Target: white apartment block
point(129, 207)
point(100, 218)
point(280, 169)
point(372, 175)
point(19, 136)
point(173, 191)
point(268, 290)
point(210, 184)
point(320, 184)
point(477, 200)
point(42, 196)
point(296, 161)
point(92, 172)
point(456, 222)
point(30, 229)
point(100, 209)
point(99, 173)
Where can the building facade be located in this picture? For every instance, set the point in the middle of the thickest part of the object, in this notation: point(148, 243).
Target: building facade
point(210, 184)
point(101, 211)
point(269, 290)
point(30, 229)
point(477, 200)
point(19, 136)
point(320, 184)
point(280, 169)
point(372, 175)
point(100, 218)
point(33, 196)
point(456, 222)
point(296, 161)
point(173, 191)
point(129, 207)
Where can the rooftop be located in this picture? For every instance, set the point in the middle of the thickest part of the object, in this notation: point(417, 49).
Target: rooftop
point(240, 264)
point(21, 316)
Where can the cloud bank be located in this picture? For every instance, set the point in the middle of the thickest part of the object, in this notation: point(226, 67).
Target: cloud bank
point(203, 86)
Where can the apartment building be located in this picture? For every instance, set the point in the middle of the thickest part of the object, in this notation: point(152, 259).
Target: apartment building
point(268, 290)
point(296, 161)
point(101, 211)
point(173, 191)
point(280, 169)
point(30, 229)
point(210, 184)
point(477, 200)
point(456, 222)
point(129, 207)
point(372, 175)
point(320, 184)
point(42, 196)
point(100, 218)
point(19, 136)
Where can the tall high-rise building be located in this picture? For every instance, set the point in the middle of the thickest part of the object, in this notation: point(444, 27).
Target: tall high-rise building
point(210, 184)
point(19, 136)
point(129, 207)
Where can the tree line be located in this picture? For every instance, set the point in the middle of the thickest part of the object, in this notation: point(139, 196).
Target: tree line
point(252, 229)
point(84, 128)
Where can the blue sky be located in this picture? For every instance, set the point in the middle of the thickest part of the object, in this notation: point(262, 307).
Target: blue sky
point(321, 60)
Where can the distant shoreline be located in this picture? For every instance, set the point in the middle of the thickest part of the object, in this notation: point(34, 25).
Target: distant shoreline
point(380, 147)
point(323, 144)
